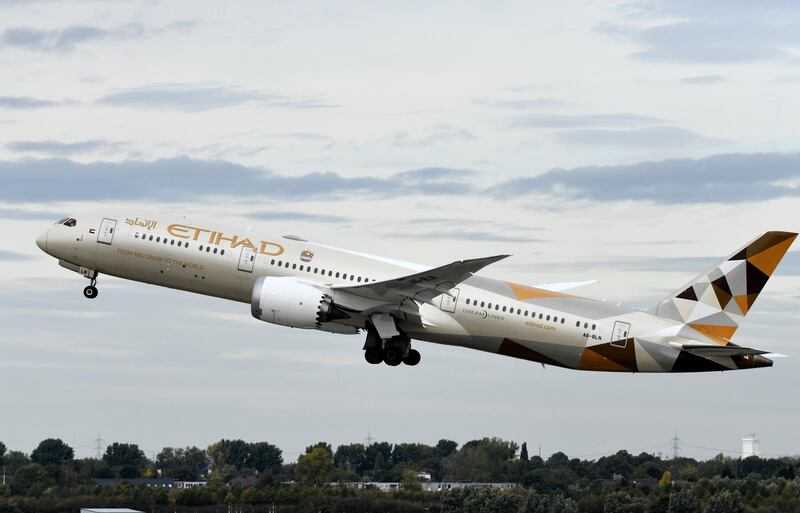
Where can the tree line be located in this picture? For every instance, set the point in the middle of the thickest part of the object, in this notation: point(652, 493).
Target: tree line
point(253, 476)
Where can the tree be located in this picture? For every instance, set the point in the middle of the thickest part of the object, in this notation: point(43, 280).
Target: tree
point(409, 481)
point(26, 477)
point(52, 452)
point(313, 468)
point(324, 445)
point(666, 479)
point(265, 457)
point(621, 502)
point(683, 501)
point(2, 452)
point(445, 448)
point(523, 453)
point(128, 459)
point(15, 460)
point(725, 502)
point(183, 464)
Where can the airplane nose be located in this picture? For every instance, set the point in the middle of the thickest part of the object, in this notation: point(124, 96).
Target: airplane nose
point(41, 241)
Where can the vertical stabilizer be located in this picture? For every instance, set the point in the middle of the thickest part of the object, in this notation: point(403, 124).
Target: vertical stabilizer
point(716, 302)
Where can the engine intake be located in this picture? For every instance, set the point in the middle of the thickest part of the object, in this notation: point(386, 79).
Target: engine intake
point(290, 302)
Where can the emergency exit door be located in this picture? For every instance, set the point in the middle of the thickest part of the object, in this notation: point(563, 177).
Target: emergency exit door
point(106, 232)
point(620, 335)
point(448, 303)
point(247, 258)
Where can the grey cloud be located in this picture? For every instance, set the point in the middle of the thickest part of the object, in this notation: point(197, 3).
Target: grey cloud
point(58, 148)
point(438, 134)
point(183, 178)
point(519, 104)
point(580, 120)
point(64, 40)
point(24, 103)
point(719, 178)
point(704, 79)
point(710, 32)
point(644, 137)
point(19, 214)
point(277, 215)
point(195, 98)
point(468, 235)
point(789, 266)
point(10, 256)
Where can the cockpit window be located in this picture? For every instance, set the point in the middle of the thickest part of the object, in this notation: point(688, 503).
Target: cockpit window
point(61, 221)
point(70, 222)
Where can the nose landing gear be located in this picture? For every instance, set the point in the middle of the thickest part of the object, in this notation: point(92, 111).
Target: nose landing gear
point(90, 292)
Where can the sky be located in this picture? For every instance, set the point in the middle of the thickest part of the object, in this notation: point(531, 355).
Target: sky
point(630, 142)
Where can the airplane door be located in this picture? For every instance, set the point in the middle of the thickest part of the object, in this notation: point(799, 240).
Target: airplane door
point(619, 337)
point(106, 232)
point(448, 303)
point(247, 259)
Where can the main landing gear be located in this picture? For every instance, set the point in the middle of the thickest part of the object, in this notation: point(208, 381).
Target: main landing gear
point(90, 292)
point(392, 351)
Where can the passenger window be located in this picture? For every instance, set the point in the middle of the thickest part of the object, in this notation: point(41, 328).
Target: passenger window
point(352, 277)
point(165, 240)
point(593, 327)
point(526, 313)
point(519, 311)
point(344, 276)
point(359, 279)
point(504, 308)
point(172, 242)
point(578, 324)
point(151, 237)
point(215, 251)
point(489, 306)
point(482, 304)
point(208, 250)
point(540, 316)
point(585, 325)
point(467, 300)
point(330, 273)
point(316, 270)
point(497, 307)
point(201, 247)
point(548, 318)
point(271, 262)
point(337, 274)
point(301, 267)
point(294, 266)
point(158, 239)
point(221, 251)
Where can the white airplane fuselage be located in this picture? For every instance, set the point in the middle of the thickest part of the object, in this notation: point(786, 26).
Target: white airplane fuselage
point(547, 326)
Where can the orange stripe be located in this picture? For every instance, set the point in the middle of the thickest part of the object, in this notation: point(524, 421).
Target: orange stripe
point(523, 292)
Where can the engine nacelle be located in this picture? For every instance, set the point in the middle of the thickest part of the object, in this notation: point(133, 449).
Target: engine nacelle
point(290, 302)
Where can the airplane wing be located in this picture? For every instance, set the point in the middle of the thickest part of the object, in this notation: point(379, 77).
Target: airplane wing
point(716, 350)
point(422, 286)
point(564, 285)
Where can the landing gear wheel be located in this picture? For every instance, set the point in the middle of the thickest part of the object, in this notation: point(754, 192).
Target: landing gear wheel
point(373, 355)
point(392, 356)
point(412, 358)
point(90, 292)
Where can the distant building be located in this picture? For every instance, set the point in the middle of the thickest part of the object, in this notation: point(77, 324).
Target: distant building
point(150, 483)
point(109, 510)
point(427, 486)
point(423, 476)
point(750, 446)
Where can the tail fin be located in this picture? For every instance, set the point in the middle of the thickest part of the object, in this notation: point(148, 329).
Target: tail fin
point(716, 302)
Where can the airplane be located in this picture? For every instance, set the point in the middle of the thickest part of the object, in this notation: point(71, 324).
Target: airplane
point(291, 281)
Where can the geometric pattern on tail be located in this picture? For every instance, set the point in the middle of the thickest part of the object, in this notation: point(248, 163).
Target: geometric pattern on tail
point(716, 302)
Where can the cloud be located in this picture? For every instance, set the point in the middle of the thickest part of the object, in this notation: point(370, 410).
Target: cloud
point(10, 256)
point(24, 103)
point(646, 137)
point(717, 179)
point(709, 32)
point(270, 215)
point(29, 215)
point(183, 178)
point(196, 98)
point(519, 104)
point(438, 134)
point(468, 235)
point(704, 80)
point(580, 120)
point(66, 39)
point(57, 148)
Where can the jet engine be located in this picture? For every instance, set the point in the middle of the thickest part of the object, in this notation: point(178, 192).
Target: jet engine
point(291, 302)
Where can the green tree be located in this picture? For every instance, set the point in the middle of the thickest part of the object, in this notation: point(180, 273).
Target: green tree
point(2, 452)
point(27, 477)
point(314, 468)
point(324, 445)
point(445, 448)
point(15, 460)
point(523, 452)
point(127, 460)
point(683, 501)
point(183, 464)
point(725, 502)
point(621, 502)
point(52, 452)
point(265, 457)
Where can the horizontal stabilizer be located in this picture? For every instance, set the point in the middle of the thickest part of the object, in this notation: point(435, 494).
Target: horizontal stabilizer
point(716, 350)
